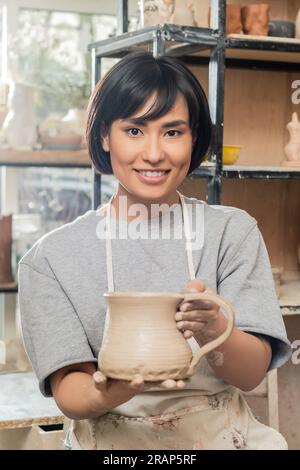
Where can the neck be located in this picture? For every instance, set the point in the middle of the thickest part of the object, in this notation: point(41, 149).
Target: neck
point(124, 201)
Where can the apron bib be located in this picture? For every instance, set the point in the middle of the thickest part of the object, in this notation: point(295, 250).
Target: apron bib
point(206, 421)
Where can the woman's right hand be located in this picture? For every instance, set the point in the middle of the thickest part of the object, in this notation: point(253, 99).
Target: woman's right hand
point(116, 392)
point(82, 392)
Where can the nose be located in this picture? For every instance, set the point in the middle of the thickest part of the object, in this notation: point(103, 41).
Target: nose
point(153, 151)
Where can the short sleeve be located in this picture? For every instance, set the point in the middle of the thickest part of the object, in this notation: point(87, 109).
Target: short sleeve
point(52, 332)
point(246, 281)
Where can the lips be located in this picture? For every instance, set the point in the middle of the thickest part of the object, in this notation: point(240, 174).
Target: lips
point(152, 179)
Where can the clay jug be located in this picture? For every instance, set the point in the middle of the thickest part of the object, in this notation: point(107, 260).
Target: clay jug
point(141, 336)
point(255, 19)
point(292, 149)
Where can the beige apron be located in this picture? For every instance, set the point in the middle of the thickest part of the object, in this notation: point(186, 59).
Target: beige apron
point(170, 420)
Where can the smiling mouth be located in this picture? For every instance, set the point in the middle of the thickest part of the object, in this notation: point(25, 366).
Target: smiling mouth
point(152, 173)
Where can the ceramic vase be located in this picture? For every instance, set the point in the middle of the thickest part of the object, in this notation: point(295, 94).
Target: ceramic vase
point(20, 125)
point(255, 19)
point(292, 149)
point(233, 19)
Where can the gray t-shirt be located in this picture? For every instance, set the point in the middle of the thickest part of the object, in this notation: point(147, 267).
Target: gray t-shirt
point(63, 277)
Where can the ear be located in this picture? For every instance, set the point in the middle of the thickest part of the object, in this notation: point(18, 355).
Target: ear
point(104, 137)
point(105, 143)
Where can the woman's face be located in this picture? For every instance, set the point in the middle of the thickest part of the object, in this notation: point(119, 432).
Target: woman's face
point(151, 158)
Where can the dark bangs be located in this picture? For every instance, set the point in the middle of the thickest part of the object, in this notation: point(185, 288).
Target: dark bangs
point(127, 87)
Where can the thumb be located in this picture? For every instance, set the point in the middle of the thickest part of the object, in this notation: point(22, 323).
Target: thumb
point(194, 286)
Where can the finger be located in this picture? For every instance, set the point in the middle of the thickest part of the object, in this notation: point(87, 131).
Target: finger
point(194, 286)
point(188, 334)
point(193, 326)
point(169, 384)
point(204, 316)
point(198, 305)
point(100, 380)
point(137, 383)
point(180, 384)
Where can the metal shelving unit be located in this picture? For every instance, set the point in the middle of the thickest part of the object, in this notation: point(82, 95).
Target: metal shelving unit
point(210, 47)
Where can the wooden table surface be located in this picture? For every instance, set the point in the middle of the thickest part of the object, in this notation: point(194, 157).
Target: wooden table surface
point(22, 404)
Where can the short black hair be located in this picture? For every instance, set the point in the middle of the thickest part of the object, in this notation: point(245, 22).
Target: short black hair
point(128, 85)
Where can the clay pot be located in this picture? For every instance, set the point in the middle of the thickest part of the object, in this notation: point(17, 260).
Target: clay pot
point(141, 336)
point(292, 149)
point(233, 19)
point(5, 249)
point(255, 19)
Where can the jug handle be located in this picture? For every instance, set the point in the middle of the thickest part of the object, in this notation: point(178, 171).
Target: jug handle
point(216, 342)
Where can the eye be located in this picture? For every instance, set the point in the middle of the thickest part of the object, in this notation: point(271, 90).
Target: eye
point(133, 131)
point(173, 133)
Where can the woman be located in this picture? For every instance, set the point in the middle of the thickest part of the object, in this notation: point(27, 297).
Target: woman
point(149, 125)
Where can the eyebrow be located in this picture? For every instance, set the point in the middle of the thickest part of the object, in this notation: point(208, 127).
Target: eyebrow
point(143, 122)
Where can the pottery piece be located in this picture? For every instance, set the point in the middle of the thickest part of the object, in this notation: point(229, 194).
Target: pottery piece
point(5, 249)
point(297, 25)
point(233, 19)
point(292, 149)
point(20, 123)
point(61, 142)
point(282, 29)
point(141, 336)
point(167, 11)
point(255, 19)
point(155, 12)
point(184, 13)
point(231, 154)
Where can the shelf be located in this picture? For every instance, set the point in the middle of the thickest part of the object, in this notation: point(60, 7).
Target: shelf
point(265, 48)
point(197, 42)
point(290, 294)
point(179, 40)
point(8, 288)
point(260, 172)
point(46, 158)
point(205, 170)
point(249, 172)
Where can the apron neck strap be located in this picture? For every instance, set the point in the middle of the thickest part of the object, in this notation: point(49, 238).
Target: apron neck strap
point(187, 234)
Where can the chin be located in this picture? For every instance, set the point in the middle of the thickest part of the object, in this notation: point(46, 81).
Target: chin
point(152, 194)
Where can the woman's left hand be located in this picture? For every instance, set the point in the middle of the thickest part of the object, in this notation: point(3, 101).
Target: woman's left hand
point(200, 318)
